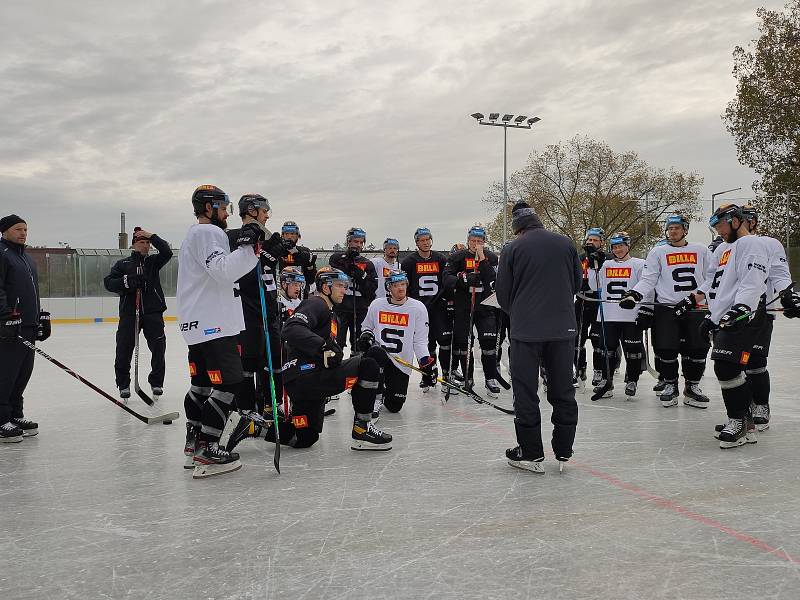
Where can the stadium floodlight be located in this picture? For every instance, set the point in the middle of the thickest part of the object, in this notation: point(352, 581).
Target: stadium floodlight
point(507, 118)
point(494, 116)
point(533, 120)
point(477, 116)
point(519, 119)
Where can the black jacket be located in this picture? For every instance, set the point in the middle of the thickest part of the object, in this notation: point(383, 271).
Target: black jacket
point(364, 277)
point(537, 279)
point(19, 283)
point(305, 334)
point(152, 294)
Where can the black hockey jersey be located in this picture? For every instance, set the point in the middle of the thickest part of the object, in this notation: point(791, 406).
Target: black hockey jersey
point(428, 279)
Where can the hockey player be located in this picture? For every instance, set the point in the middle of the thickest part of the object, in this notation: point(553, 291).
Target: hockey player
point(388, 262)
point(210, 318)
point(673, 271)
point(400, 325)
point(475, 270)
point(429, 283)
point(364, 283)
point(779, 282)
point(616, 325)
point(293, 284)
point(297, 255)
point(316, 369)
point(139, 273)
point(255, 209)
point(592, 259)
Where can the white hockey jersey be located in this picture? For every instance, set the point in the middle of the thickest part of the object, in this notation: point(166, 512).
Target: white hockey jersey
point(739, 275)
point(207, 271)
point(778, 275)
point(674, 272)
point(288, 306)
point(400, 329)
point(617, 277)
point(383, 268)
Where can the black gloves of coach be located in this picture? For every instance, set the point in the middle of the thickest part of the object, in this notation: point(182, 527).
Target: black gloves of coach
point(250, 234)
point(790, 301)
point(365, 341)
point(134, 282)
point(331, 354)
point(644, 320)
point(630, 299)
point(9, 325)
point(685, 305)
point(43, 330)
point(738, 316)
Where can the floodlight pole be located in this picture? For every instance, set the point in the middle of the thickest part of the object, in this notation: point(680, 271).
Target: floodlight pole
point(505, 125)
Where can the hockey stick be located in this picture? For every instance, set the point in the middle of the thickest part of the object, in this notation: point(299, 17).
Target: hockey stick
point(609, 374)
point(463, 390)
point(653, 373)
point(452, 351)
point(276, 459)
point(139, 391)
point(581, 342)
point(166, 418)
point(498, 346)
point(469, 374)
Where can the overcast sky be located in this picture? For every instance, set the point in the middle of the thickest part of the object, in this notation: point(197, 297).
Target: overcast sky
point(343, 113)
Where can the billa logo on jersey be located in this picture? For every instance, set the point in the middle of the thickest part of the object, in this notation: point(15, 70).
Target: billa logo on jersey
point(427, 267)
point(682, 258)
point(300, 421)
point(723, 260)
point(618, 272)
point(288, 259)
point(386, 271)
point(745, 358)
point(470, 262)
point(192, 369)
point(350, 382)
point(215, 377)
point(393, 318)
point(334, 328)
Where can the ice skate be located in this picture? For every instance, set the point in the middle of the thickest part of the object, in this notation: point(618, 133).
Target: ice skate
point(518, 460)
point(760, 416)
point(492, 388)
point(368, 437)
point(30, 428)
point(212, 460)
point(669, 395)
point(10, 433)
point(630, 388)
point(734, 434)
point(693, 395)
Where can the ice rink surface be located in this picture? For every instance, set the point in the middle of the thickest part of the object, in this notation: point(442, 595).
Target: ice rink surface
point(99, 506)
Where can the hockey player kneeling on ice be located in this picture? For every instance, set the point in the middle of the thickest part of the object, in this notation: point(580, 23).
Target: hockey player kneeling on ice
point(614, 324)
point(736, 314)
point(210, 318)
point(400, 325)
point(316, 370)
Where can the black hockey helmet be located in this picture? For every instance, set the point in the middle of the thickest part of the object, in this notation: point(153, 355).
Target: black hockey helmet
point(252, 201)
point(290, 227)
point(750, 213)
point(208, 193)
point(293, 275)
point(328, 276)
point(391, 242)
point(421, 231)
point(726, 212)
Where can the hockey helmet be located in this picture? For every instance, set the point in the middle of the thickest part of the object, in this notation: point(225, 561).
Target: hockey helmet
point(394, 277)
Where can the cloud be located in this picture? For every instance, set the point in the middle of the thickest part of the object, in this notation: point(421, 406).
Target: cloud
point(342, 113)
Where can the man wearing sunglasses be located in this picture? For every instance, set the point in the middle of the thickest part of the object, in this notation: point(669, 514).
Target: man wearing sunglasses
point(137, 276)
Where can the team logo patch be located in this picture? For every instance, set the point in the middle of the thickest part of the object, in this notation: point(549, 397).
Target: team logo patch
point(239, 349)
point(192, 369)
point(300, 421)
point(723, 260)
point(334, 328)
point(215, 377)
point(288, 259)
point(393, 318)
point(350, 382)
point(618, 272)
point(470, 263)
point(362, 265)
point(386, 271)
point(427, 267)
point(745, 358)
point(212, 331)
point(682, 258)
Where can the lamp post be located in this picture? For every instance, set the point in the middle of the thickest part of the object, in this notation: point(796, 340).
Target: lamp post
point(713, 199)
point(519, 122)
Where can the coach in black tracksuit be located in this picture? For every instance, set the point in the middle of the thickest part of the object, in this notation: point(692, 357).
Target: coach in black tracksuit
point(20, 315)
point(538, 276)
point(140, 272)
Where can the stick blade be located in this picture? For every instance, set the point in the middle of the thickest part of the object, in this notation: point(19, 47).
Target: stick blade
point(145, 398)
point(161, 418)
point(276, 459)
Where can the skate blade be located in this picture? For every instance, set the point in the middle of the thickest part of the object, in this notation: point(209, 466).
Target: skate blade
point(762, 426)
point(561, 466)
point(695, 403)
point(33, 432)
point(669, 403)
point(203, 471)
point(188, 462)
point(528, 465)
point(368, 446)
point(747, 439)
point(11, 440)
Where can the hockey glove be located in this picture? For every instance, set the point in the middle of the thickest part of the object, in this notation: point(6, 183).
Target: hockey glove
point(630, 299)
point(10, 323)
point(132, 282)
point(738, 316)
point(469, 279)
point(289, 245)
point(790, 301)
point(707, 327)
point(644, 320)
point(427, 365)
point(685, 305)
point(331, 354)
point(355, 272)
point(365, 341)
point(249, 235)
point(43, 330)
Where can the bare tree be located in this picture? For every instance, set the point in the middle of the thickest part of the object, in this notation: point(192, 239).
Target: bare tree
point(584, 183)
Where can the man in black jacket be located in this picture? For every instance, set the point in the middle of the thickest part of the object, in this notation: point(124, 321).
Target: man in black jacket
point(538, 277)
point(136, 279)
point(364, 283)
point(20, 315)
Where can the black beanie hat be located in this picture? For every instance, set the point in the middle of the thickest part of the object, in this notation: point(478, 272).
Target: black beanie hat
point(8, 222)
point(523, 217)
